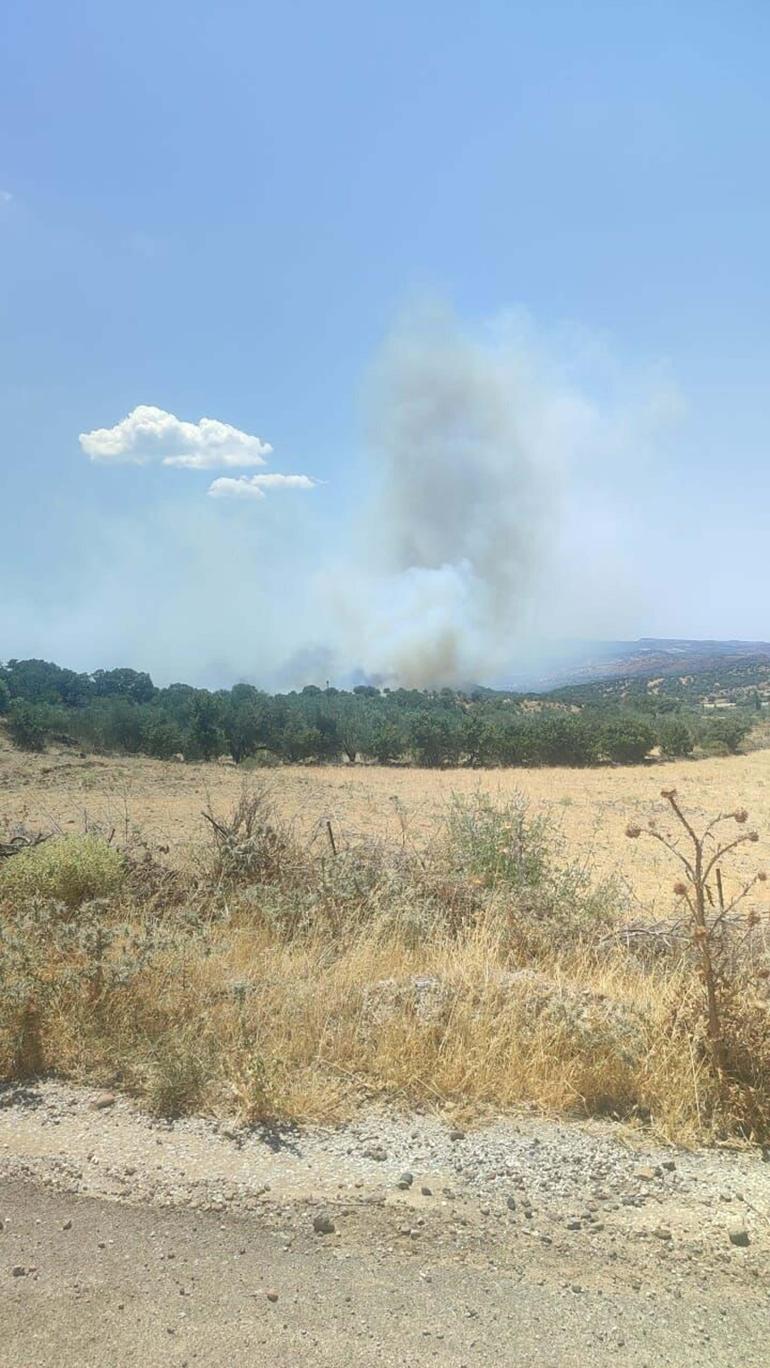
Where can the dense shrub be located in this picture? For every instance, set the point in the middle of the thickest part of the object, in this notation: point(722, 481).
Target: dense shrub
point(433, 741)
point(70, 869)
point(627, 741)
point(26, 726)
point(675, 738)
point(727, 731)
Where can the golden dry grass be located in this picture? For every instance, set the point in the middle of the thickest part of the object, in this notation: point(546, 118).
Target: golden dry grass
point(592, 807)
point(260, 1026)
point(254, 996)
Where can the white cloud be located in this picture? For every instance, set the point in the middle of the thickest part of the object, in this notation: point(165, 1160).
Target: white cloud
point(254, 486)
point(225, 488)
point(150, 434)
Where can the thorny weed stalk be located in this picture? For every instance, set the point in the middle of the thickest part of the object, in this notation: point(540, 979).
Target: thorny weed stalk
point(249, 844)
point(708, 921)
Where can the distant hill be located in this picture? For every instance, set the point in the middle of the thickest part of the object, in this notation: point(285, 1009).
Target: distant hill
point(587, 662)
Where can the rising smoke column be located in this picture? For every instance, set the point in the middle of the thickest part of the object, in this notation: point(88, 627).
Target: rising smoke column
point(457, 525)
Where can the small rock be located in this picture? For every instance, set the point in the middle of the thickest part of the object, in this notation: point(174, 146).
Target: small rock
point(323, 1225)
point(457, 1135)
point(646, 1173)
point(377, 1153)
point(669, 1165)
point(574, 1225)
point(18, 1271)
point(272, 1296)
point(662, 1233)
point(67, 1225)
point(406, 1180)
point(739, 1236)
point(426, 1191)
point(105, 1099)
point(510, 1202)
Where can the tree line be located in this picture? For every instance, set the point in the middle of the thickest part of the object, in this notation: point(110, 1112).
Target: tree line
point(122, 711)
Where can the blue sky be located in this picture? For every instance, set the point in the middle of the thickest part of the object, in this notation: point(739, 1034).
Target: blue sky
point(227, 210)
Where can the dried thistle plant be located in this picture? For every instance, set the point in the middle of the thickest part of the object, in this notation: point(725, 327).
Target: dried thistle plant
point(700, 855)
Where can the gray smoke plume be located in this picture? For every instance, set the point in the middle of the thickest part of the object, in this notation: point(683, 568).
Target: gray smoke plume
point(454, 537)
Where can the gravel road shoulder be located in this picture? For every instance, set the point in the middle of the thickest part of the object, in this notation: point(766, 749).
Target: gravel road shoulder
point(530, 1241)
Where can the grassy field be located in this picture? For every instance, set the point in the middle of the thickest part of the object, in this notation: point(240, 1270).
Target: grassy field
point(590, 807)
point(450, 938)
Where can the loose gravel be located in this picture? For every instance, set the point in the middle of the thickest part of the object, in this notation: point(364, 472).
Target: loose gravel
point(589, 1211)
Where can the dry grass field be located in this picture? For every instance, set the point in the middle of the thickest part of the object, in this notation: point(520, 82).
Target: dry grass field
point(412, 935)
point(591, 808)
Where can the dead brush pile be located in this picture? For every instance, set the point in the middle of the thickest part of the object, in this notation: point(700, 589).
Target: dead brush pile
point(289, 981)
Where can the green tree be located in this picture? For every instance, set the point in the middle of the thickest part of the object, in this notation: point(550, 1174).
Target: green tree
point(26, 725)
point(514, 742)
point(729, 730)
point(243, 721)
point(40, 681)
point(119, 725)
point(563, 739)
point(206, 739)
point(479, 739)
point(675, 738)
point(434, 741)
point(300, 742)
point(384, 741)
point(162, 737)
point(123, 683)
point(627, 740)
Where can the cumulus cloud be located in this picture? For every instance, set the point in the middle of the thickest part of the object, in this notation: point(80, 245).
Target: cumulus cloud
point(254, 486)
point(150, 435)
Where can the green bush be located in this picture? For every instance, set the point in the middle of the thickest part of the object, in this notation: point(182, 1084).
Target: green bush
point(675, 738)
point(627, 741)
point(519, 857)
point(729, 731)
point(71, 869)
point(26, 726)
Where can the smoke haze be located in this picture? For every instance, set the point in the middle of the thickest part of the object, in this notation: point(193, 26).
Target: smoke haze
point(497, 513)
point(480, 446)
